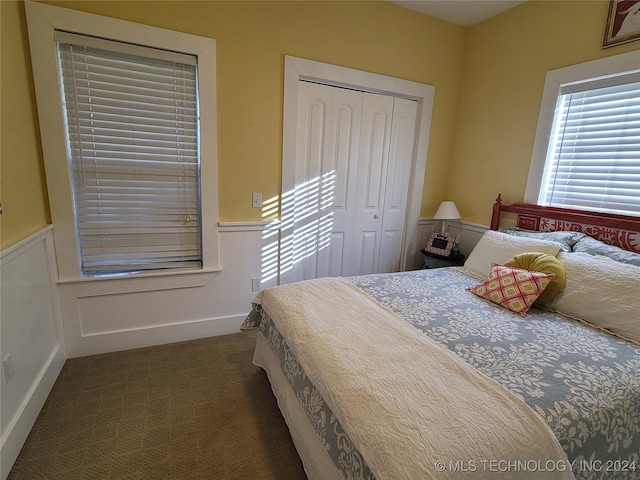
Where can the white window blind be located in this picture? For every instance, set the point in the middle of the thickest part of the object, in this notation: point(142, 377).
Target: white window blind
point(132, 121)
point(593, 162)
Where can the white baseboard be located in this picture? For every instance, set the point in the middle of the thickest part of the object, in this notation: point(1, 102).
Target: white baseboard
point(114, 341)
point(24, 418)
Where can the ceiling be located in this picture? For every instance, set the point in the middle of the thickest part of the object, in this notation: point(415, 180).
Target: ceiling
point(461, 12)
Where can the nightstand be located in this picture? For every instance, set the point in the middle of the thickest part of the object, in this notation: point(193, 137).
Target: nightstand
point(429, 260)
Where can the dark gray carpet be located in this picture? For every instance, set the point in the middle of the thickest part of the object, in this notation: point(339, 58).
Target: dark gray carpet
point(189, 410)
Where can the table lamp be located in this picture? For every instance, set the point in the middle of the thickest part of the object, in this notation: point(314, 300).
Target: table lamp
point(447, 211)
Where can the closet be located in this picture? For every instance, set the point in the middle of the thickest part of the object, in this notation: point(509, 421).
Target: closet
point(346, 212)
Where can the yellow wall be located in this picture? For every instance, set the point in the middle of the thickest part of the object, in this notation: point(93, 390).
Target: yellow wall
point(252, 39)
point(488, 80)
point(22, 186)
point(505, 63)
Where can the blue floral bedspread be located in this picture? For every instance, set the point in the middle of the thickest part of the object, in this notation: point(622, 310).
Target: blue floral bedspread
point(584, 383)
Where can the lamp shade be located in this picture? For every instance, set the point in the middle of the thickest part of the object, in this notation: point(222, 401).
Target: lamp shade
point(447, 211)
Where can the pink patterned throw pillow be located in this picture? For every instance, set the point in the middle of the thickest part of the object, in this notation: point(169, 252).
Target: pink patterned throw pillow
point(512, 288)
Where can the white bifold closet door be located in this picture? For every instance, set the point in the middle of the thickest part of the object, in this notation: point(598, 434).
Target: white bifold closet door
point(345, 215)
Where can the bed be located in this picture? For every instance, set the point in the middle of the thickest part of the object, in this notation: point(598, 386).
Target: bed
point(423, 374)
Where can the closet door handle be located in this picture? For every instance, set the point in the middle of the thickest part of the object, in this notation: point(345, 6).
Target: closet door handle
point(376, 216)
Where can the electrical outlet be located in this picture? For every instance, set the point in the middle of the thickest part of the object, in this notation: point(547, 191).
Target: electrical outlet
point(7, 364)
point(257, 200)
point(255, 284)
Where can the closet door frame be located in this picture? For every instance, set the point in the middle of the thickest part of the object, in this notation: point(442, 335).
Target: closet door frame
point(296, 69)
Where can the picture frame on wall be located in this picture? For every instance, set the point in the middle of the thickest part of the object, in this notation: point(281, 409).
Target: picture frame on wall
point(623, 22)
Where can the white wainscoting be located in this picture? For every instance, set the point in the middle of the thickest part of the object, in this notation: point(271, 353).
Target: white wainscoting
point(118, 314)
point(108, 315)
point(31, 333)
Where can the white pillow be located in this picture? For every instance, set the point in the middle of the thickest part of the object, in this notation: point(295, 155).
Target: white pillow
point(601, 291)
point(499, 247)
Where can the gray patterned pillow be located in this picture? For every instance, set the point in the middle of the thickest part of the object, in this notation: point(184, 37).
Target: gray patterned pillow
point(567, 238)
point(596, 247)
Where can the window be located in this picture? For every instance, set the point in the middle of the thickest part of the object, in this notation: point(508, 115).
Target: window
point(128, 125)
point(132, 132)
point(594, 156)
point(590, 158)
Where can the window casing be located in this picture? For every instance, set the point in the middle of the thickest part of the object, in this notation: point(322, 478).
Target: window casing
point(43, 21)
point(587, 149)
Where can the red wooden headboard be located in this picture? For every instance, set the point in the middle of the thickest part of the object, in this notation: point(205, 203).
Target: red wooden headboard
point(620, 230)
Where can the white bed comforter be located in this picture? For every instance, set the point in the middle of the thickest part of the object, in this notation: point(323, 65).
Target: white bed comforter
point(412, 408)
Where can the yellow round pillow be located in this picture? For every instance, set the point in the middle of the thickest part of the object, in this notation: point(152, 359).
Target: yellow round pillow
point(544, 263)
